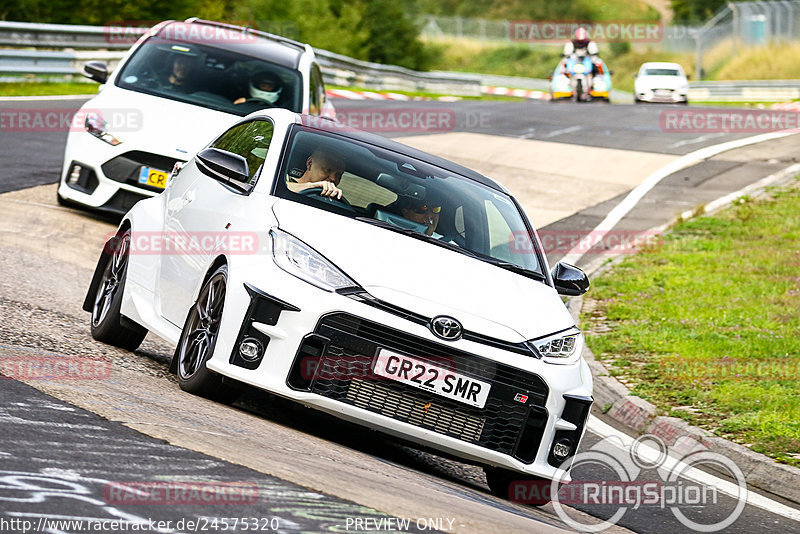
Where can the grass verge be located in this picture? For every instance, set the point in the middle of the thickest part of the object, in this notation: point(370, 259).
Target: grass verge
point(424, 94)
point(707, 326)
point(46, 88)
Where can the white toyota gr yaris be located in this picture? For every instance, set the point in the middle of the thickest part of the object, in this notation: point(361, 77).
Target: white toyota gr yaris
point(361, 277)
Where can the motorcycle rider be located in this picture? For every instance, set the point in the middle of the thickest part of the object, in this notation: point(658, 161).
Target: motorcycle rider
point(581, 45)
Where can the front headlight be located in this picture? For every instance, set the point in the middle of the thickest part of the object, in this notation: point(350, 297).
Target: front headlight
point(302, 261)
point(96, 125)
point(562, 348)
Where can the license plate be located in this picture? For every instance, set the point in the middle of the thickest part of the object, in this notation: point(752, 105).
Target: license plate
point(438, 379)
point(153, 177)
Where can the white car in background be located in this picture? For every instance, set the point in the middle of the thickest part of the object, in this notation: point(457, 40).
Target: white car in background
point(661, 82)
point(420, 303)
point(141, 123)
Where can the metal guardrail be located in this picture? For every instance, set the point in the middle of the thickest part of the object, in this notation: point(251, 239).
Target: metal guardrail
point(105, 43)
point(60, 50)
point(745, 91)
point(32, 34)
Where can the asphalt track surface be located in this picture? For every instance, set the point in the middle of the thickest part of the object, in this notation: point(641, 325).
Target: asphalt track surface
point(97, 452)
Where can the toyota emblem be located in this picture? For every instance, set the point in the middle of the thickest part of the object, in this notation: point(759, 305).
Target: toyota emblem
point(446, 328)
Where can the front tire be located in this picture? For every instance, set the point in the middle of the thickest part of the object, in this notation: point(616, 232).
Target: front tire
point(198, 339)
point(107, 323)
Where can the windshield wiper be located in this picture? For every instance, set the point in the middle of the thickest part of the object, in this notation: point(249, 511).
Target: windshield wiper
point(513, 267)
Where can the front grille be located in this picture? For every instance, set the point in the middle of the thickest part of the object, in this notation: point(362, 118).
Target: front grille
point(378, 335)
point(397, 404)
point(343, 347)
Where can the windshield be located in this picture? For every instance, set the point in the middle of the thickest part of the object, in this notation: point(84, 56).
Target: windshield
point(210, 77)
point(409, 196)
point(663, 72)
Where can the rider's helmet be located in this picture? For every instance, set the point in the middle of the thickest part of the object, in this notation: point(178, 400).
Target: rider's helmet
point(580, 39)
point(266, 86)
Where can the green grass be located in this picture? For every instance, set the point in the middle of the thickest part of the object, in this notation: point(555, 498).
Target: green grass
point(707, 326)
point(47, 88)
point(466, 55)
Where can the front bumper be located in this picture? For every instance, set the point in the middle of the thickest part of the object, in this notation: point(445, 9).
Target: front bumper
point(320, 353)
point(106, 178)
point(666, 98)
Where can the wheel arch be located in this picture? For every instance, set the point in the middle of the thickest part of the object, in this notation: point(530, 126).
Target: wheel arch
point(218, 262)
point(105, 256)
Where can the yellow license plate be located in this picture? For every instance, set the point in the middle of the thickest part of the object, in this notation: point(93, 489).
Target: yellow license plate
point(153, 177)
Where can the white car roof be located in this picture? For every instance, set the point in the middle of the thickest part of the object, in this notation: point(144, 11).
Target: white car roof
point(661, 65)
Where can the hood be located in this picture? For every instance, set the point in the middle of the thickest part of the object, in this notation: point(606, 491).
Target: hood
point(660, 82)
point(428, 279)
point(158, 125)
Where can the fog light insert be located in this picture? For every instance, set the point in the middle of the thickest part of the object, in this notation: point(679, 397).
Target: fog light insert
point(562, 449)
point(250, 349)
point(74, 175)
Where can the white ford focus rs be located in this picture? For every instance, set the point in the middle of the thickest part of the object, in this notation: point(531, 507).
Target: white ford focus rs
point(179, 81)
point(360, 277)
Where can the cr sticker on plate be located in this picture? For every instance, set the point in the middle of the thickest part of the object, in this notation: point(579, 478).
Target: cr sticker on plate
point(430, 377)
point(153, 177)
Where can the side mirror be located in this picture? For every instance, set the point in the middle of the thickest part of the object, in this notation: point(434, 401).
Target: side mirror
point(688, 76)
point(96, 70)
point(611, 72)
point(569, 280)
point(225, 167)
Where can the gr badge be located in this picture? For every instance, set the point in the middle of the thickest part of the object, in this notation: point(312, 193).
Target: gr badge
point(519, 397)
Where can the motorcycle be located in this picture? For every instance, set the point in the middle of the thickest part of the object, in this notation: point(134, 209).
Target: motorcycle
point(579, 70)
point(581, 78)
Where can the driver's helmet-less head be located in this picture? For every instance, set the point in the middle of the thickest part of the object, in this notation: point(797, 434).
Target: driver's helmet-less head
point(580, 39)
point(266, 86)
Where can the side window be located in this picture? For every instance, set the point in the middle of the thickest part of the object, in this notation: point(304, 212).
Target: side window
point(251, 141)
point(316, 91)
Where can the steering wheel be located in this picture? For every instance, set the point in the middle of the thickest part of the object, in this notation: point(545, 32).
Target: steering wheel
point(339, 202)
point(149, 80)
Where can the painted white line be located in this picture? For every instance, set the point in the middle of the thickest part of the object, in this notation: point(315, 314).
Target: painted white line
point(563, 131)
point(671, 464)
point(638, 192)
point(53, 97)
point(695, 140)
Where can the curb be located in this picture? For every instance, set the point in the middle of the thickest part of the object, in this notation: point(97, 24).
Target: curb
point(636, 414)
